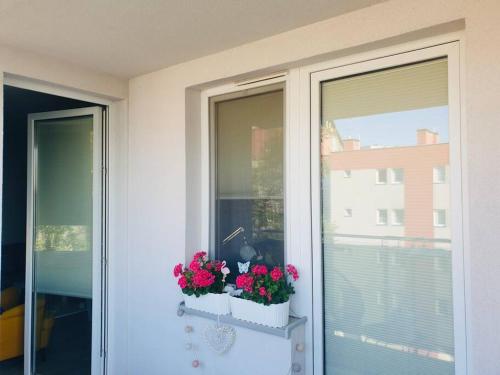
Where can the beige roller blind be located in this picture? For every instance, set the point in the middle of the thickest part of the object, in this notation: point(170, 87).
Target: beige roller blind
point(393, 90)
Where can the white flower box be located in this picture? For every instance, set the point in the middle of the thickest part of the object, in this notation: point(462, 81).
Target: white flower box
point(272, 316)
point(210, 303)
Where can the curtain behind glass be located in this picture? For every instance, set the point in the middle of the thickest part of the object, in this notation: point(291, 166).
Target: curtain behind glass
point(249, 205)
point(63, 212)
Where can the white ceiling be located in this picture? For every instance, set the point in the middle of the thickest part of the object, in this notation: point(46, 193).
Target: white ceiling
point(130, 37)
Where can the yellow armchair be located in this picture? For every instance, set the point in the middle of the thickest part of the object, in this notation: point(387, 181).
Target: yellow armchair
point(12, 324)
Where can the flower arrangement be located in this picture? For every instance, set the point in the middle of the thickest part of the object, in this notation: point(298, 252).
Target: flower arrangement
point(202, 276)
point(267, 287)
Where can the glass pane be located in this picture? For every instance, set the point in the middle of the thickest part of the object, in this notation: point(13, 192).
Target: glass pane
point(63, 245)
point(387, 264)
point(249, 180)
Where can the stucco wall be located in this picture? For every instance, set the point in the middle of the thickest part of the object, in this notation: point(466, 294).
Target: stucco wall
point(157, 171)
point(59, 73)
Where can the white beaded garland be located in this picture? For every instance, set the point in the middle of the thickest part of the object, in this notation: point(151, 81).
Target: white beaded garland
point(299, 347)
point(296, 367)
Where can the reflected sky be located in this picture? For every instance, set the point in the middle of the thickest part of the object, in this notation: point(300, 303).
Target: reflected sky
point(395, 128)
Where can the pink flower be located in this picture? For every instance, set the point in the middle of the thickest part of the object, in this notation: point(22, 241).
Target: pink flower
point(200, 254)
point(240, 281)
point(244, 282)
point(182, 282)
point(203, 278)
point(218, 265)
point(292, 271)
point(262, 291)
point(178, 270)
point(276, 274)
point(208, 266)
point(194, 265)
point(269, 296)
point(259, 269)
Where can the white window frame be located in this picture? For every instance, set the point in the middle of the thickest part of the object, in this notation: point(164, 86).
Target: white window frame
point(377, 176)
point(302, 150)
point(394, 215)
point(296, 180)
point(435, 174)
point(224, 93)
point(436, 214)
point(378, 216)
point(393, 176)
point(367, 63)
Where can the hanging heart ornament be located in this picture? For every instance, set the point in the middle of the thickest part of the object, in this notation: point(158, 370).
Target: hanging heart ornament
point(219, 337)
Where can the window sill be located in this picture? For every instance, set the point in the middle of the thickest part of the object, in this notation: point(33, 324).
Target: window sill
point(284, 332)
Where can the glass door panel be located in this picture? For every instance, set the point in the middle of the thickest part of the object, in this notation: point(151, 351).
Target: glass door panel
point(386, 238)
point(65, 240)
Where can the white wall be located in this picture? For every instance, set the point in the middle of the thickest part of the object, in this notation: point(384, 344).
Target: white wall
point(157, 175)
point(59, 73)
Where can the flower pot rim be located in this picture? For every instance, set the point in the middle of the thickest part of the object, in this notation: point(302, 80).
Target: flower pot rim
point(262, 304)
point(202, 295)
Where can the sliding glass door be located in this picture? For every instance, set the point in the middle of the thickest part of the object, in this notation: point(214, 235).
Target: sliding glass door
point(388, 232)
point(63, 288)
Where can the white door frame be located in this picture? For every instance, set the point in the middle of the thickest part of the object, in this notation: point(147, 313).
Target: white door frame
point(115, 148)
point(98, 247)
point(322, 73)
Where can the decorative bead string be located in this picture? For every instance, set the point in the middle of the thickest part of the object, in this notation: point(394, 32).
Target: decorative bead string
point(188, 329)
point(189, 342)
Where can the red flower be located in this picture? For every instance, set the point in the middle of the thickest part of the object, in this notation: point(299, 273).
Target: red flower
point(244, 282)
point(276, 274)
point(194, 265)
point(240, 281)
point(208, 266)
point(259, 269)
point(178, 270)
point(199, 254)
point(203, 278)
point(218, 265)
point(262, 291)
point(182, 282)
point(292, 271)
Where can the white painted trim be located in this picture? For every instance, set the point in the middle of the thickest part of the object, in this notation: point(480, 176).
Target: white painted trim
point(97, 246)
point(1, 165)
point(457, 168)
point(467, 248)
point(29, 259)
point(395, 49)
point(387, 58)
point(53, 89)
